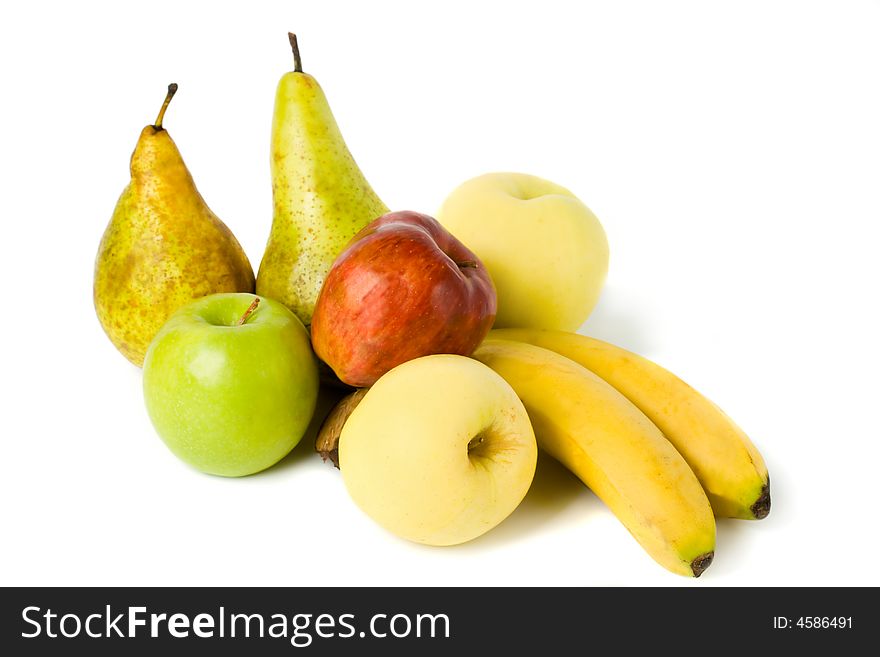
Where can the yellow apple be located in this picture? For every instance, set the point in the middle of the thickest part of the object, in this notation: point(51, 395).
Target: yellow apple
point(439, 451)
point(545, 250)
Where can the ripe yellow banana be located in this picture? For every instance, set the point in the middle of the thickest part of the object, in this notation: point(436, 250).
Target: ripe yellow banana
point(600, 436)
point(725, 461)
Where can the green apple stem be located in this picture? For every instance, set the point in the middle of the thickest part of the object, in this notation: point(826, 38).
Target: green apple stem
point(172, 89)
point(297, 61)
point(250, 311)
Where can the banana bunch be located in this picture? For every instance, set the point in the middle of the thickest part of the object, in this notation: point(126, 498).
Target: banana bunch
point(664, 458)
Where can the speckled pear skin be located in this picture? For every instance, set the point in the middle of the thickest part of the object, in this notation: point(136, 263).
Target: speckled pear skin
point(321, 198)
point(163, 248)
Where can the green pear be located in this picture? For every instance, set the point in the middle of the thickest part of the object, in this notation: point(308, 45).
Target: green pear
point(163, 247)
point(321, 198)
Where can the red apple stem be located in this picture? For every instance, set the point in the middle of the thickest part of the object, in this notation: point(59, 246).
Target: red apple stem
point(172, 89)
point(250, 311)
point(467, 264)
point(297, 60)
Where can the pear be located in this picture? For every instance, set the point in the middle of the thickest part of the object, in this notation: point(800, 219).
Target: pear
point(163, 247)
point(321, 198)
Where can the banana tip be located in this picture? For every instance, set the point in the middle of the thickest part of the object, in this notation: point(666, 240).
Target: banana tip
point(761, 508)
point(702, 562)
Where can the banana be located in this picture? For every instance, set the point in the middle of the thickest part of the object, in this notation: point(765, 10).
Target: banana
point(725, 461)
point(600, 436)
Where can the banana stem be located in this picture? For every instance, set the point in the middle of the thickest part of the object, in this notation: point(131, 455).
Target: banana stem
point(297, 61)
point(172, 89)
point(327, 442)
point(699, 565)
point(761, 508)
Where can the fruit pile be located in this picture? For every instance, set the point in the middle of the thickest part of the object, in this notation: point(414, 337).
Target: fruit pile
point(456, 348)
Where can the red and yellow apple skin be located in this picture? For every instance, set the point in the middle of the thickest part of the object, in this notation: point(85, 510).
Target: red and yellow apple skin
point(404, 287)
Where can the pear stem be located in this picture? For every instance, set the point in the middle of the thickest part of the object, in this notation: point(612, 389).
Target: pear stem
point(172, 89)
point(250, 311)
point(297, 61)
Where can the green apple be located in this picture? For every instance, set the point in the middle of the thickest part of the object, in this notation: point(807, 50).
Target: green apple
point(230, 383)
point(439, 451)
point(545, 250)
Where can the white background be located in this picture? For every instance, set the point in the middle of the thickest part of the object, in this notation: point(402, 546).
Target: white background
point(732, 151)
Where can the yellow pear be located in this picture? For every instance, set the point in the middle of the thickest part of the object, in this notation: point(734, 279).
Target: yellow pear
point(321, 198)
point(163, 247)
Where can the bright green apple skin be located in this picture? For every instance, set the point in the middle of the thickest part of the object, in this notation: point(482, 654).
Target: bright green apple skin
point(231, 400)
point(546, 251)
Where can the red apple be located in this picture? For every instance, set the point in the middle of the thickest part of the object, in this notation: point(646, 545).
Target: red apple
point(404, 287)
